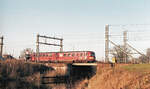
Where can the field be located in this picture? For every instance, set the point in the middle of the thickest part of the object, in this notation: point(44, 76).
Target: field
point(137, 68)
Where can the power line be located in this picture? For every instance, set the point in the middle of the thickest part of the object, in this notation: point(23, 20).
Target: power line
point(120, 25)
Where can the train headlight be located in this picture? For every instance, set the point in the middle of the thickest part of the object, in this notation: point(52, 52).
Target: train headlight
point(91, 58)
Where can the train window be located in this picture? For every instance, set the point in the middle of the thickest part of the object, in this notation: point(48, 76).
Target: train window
point(50, 54)
point(93, 54)
point(73, 54)
point(86, 54)
point(81, 54)
point(77, 54)
point(64, 54)
point(60, 55)
point(69, 54)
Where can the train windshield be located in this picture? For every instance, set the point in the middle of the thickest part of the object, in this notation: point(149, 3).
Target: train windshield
point(93, 54)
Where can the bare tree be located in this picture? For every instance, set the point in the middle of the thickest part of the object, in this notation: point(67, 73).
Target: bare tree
point(119, 54)
point(142, 59)
point(24, 52)
point(145, 59)
point(148, 54)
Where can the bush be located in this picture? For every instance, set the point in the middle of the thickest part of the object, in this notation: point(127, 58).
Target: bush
point(16, 69)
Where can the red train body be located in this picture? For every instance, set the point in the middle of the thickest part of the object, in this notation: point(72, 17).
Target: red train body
point(70, 56)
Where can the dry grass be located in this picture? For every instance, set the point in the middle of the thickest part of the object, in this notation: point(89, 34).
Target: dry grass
point(136, 76)
point(17, 69)
point(137, 68)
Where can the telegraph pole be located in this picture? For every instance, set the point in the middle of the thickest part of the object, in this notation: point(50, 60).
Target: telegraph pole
point(125, 46)
point(106, 43)
point(37, 47)
point(1, 46)
point(61, 45)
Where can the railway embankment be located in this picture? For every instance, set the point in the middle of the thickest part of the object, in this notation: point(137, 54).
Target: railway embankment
point(121, 76)
point(132, 76)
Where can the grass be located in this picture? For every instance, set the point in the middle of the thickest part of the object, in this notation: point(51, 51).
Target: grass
point(16, 69)
point(137, 67)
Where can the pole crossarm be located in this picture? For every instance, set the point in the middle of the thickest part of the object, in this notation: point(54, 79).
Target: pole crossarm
point(46, 43)
point(49, 44)
point(51, 37)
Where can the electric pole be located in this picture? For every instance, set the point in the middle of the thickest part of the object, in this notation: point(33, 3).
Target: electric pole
point(125, 46)
point(1, 46)
point(106, 43)
point(61, 45)
point(37, 47)
point(38, 42)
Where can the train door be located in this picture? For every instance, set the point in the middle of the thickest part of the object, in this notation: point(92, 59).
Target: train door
point(50, 57)
point(57, 57)
point(85, 55)
point(53, 57)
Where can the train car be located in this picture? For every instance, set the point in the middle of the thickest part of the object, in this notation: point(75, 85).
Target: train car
point(70, 56)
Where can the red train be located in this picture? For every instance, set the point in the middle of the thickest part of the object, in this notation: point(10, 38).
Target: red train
point(70, 56)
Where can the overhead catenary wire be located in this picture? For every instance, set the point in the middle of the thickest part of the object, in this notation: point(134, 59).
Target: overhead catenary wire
point(136, 33)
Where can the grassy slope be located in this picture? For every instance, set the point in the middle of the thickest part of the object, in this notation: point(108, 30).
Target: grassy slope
point(134, 76)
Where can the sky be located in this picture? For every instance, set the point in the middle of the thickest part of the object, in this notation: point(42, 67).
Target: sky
point(81, 23)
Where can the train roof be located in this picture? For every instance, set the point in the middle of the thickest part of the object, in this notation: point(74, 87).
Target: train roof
point(65, 51)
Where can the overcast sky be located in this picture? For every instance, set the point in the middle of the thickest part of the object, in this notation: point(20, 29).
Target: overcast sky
point(80, 22)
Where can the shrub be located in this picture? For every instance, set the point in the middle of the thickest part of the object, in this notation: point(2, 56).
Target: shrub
point(15, 69)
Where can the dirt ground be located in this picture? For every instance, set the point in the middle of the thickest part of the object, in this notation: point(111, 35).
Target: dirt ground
point(133, 76)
